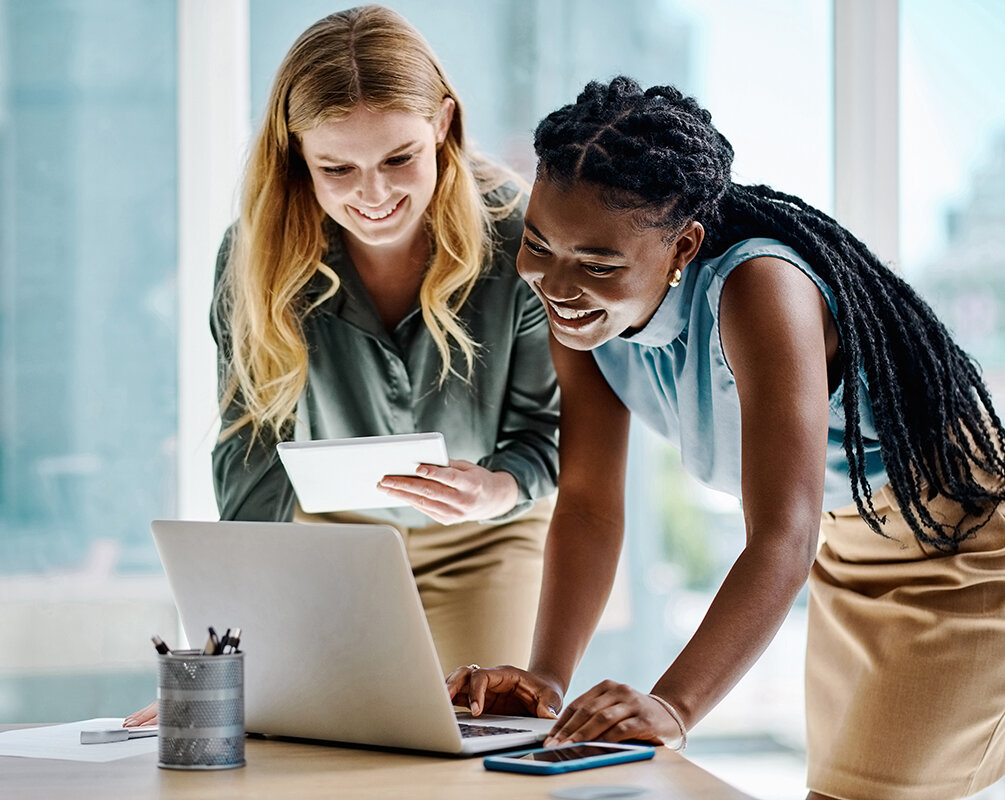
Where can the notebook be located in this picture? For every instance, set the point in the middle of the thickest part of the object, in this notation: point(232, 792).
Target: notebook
point(335, 639)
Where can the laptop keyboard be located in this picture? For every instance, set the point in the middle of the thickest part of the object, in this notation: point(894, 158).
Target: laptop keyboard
point(470, 731)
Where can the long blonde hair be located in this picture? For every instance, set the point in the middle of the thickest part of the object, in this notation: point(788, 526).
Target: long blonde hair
point(368, 55)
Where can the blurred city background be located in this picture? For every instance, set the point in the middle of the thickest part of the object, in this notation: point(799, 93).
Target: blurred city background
point(93, 373)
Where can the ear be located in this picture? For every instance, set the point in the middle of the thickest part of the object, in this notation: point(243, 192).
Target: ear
point(444, 119)
point(686, 246)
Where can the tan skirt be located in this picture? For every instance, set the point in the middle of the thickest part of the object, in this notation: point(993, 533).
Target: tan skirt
point(905, 664)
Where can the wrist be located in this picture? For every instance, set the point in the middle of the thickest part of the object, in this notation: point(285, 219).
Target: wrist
point(549, 676)
point(678, 744)
point(509, 490)
point(504, 497)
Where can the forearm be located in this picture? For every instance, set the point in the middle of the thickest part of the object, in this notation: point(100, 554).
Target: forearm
point(250, 485)
point(532, 460)
point(584, 541)
point(744, 616)
point(580, 561)
point(526, 436)
point(527, 448)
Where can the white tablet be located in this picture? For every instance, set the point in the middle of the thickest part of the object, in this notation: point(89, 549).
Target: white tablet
point(342, 474)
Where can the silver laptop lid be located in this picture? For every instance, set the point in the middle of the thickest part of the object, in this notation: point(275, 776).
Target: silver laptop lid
point(336, 641)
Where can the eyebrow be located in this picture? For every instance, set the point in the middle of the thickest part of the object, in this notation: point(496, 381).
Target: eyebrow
point(390, 154)
point(605, 252)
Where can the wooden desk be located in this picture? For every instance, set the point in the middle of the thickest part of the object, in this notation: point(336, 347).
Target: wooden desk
point(279, 769)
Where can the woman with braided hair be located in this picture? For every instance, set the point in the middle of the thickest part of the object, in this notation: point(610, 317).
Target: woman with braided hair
point(797, 372)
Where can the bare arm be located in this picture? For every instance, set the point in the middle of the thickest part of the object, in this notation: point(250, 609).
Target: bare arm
point(581, 553)
point(773, 325)
point(774, 328)
point(584, 540)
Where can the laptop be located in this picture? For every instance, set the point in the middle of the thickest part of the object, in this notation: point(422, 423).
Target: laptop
point(336, 641)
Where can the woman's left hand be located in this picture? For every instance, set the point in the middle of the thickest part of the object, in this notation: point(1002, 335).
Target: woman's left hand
point(613, 712)
point(145, 716)
point(460, 492)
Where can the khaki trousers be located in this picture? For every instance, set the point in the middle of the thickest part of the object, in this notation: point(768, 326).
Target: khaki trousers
point(479, 582)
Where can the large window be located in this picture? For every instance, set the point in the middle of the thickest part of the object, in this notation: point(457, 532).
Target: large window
point(952, 157)
point(88, 356)
point(116, 126)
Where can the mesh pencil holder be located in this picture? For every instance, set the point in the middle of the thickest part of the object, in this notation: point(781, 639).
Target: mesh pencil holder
point(200, 710)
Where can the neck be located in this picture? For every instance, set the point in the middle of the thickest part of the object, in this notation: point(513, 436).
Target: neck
point(394, 257)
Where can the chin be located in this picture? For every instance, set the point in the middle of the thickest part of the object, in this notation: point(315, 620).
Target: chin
point(378, 238)
point(582, 343)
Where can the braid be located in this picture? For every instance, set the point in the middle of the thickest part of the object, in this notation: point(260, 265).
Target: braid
point(653, 150)
point(657, 152)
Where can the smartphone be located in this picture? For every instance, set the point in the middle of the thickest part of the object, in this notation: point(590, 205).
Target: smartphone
point(568, 757)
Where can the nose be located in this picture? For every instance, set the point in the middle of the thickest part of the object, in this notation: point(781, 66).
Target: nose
point(558, 283)
point(374, 189)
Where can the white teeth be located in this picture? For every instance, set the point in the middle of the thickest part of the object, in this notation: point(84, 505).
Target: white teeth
point(375, 215)
point(569, 313)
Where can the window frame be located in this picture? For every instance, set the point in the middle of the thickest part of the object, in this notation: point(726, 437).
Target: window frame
point(214, 101)
point(867, 122)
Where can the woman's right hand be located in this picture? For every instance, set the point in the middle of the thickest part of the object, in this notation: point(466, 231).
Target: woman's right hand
point(145, 716)
point(504, 690)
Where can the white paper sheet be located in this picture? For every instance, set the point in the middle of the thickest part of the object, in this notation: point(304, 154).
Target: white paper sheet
point(63, 742)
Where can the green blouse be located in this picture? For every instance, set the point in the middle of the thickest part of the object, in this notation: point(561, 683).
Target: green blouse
point(366, 381)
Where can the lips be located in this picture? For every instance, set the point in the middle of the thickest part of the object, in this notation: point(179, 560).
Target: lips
point(378, 214)
point(572, 318)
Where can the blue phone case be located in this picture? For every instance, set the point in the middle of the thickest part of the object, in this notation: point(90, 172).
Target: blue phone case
point(505, 762)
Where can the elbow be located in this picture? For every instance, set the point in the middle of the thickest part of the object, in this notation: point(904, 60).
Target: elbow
point(800, 546)
point(804, 553)
point(790, 550)
point(807, 542)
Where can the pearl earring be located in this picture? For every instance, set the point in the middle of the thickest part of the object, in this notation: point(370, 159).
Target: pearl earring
point(675, 280)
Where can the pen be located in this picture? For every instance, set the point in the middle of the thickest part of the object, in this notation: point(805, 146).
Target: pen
point(117, 734)
point(161, 648)
point(223, 642)
point(212, 644)
point(233, 641)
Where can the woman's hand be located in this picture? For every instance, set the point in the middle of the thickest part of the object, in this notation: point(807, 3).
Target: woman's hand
point(503, 690)
point(145, 716)
point(612, 712)
point(458, 493)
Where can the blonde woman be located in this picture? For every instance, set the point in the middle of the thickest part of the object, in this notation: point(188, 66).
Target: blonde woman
point(369, 288)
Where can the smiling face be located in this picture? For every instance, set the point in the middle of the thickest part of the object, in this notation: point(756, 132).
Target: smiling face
point(598, 273)
point(374, 173)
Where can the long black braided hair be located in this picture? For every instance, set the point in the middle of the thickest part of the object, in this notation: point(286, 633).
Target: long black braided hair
point(656, 152)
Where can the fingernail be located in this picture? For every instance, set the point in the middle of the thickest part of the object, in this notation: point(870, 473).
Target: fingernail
point(475, 707)
point(552, 711)
point(127, 722)
point(422, 470)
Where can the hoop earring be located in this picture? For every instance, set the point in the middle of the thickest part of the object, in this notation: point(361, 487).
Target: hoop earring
point(675, 280)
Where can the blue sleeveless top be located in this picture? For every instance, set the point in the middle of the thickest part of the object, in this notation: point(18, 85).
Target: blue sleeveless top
point(672, 375)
